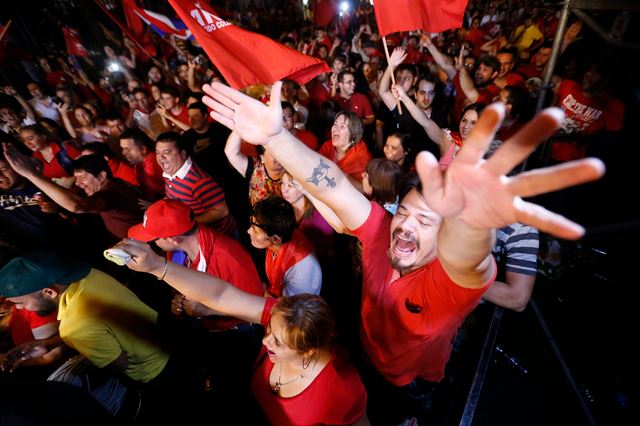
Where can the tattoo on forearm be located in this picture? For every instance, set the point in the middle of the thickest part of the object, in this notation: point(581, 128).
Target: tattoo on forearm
point(320, 174)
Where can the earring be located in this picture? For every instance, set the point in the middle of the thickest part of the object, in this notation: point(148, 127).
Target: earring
point(305, 362)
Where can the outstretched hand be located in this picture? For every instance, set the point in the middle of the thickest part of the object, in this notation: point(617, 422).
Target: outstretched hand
point(397, 57)
point(143, 259)
point(20, 163)
point(478, 192)
point(254, 121)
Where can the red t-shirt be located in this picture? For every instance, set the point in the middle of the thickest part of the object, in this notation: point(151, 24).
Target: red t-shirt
point(487, 93)
point(485, 96)
point(335, 397)
point(514, 79)
point(584, 115)
point(124, 171)
point(357, 103)
point(149, 174)
point(529, 70)
point(54, 169)
point(403, 345)
point(182, 116)
point(228, 260)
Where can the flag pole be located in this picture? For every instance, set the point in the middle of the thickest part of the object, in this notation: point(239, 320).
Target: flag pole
point(4, 30)
point(393, 77)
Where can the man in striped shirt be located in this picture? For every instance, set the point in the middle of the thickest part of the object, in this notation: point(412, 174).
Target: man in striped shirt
point(185, 181)
point(516, 252)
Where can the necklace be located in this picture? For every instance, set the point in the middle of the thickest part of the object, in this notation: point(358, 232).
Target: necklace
point(276, 388)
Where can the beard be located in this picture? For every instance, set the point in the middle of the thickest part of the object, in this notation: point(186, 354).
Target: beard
point(395, 264)
point(47, 307)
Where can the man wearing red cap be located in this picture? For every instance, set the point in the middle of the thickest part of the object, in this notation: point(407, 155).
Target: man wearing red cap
point(170, 224)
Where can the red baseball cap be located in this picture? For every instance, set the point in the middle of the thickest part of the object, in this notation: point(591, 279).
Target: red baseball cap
point(163, 219)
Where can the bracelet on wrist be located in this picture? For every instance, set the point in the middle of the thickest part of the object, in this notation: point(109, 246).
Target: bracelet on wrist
point(274, 138)
point(164, 270)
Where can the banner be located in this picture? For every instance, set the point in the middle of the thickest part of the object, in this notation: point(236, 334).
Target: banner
point(433, 16)
point(74, 45)
point(245, 58)
point(159, 23)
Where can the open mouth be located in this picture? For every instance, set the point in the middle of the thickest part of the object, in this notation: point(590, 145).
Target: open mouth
point(404, 246)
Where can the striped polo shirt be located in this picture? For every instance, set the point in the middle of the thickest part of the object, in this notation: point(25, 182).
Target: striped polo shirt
point(199, 191)
point(516, 248)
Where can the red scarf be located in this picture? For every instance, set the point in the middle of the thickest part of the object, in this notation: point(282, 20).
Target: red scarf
point(277, 266)
point(355, 160)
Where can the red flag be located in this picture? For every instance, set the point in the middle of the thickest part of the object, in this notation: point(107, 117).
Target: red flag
point(133, 20)
point(3, 40)
point(324, 12)
point(430, 15)
point(245, 58)
point(74, 45)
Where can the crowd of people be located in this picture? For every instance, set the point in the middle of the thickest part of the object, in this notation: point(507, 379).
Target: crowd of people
point(298, 254)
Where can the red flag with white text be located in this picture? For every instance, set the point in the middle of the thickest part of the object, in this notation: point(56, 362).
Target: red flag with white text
point(245, 58)
point(74, 44)
point(430, 15)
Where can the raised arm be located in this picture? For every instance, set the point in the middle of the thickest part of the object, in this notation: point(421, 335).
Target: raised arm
point(466, 83)
point(434, 131)
point(397, 57)
point(191, 76)
point(475, 197)
point(64, 113)
point(238, 160)
point(10, 91)
point(210, 291)
point(442, 61)
point(262, 125)
point(65, 198)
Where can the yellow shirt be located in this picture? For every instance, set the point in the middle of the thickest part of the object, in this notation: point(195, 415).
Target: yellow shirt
point(524, 38)
point(101, 318)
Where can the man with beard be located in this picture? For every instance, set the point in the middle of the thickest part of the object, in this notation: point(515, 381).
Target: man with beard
point(425, 268)
point(481, 89)
point(425, 94)
point(99, 317)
